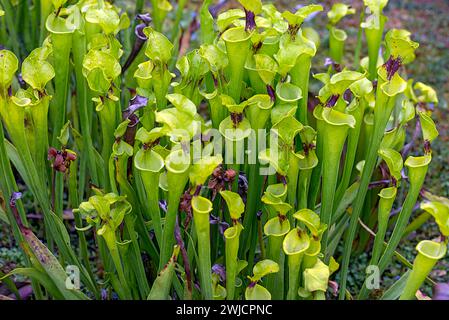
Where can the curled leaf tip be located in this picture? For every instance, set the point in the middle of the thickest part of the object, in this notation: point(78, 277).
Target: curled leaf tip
point(14, 197)
point(144, 17)
point(136, 103)
point(138, 31)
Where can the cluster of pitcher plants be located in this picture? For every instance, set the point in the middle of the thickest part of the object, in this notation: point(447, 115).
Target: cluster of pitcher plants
point(208, 172)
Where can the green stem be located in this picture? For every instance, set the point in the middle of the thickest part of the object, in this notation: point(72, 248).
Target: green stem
point(382, 112)
point(178, 17)
point(11, 26)
point(62, 45)
point(8, 186)
point(74, 203)
point(416, 181)
point(111, 243)
point(275, 282)
point(136, 264)
point(232, 248)
point(176, 183)
point(337, 39)
point(217, 111)
point(374, 40)
point(303, 187)
point(300, 74)
point(85, 107)
point(237, 42)
point(351, 150)
point(249, 219)
point(39, 114)
point(161, 83)
point(46, 7)
point(157, 14)
point(207, 23)
point(385, 204)
point(294, 267)
point(201, 209)
point(315, 180)
point(139, 6)
point(358, 47)
point(416, 223)
point(151, 183)
point(292, 181)
point(335, 236)
point(3, 33)
point(108, 120)
point(333, 138)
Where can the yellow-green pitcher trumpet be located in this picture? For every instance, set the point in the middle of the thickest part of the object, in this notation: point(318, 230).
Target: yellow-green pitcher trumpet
point(299, 49)
point(277, 226)
point(238, 44)
point(295, 243)
point(150, 162)
point(401, 50)
point(177, 164)
point(201, 209)
point(417, 169)
point(374, 28)
point(337, 37)
point(236, 208)
point(387, 197)
point(255, 291)
point(429, 252)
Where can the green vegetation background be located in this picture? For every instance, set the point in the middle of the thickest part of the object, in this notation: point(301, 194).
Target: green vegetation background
point(428, 20)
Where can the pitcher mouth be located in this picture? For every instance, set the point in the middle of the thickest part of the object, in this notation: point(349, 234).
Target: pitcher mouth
point(432, 249)
point(337, 118)
point(296, 242)
point(288, 92)
point(277, 226)
point(277, 190)
point(236, 35)
point(201, 204)
point(177, 162)
point(388, 193)
point(156, 162)
point(339, 34)
point(417, 162)
point(233, 232)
